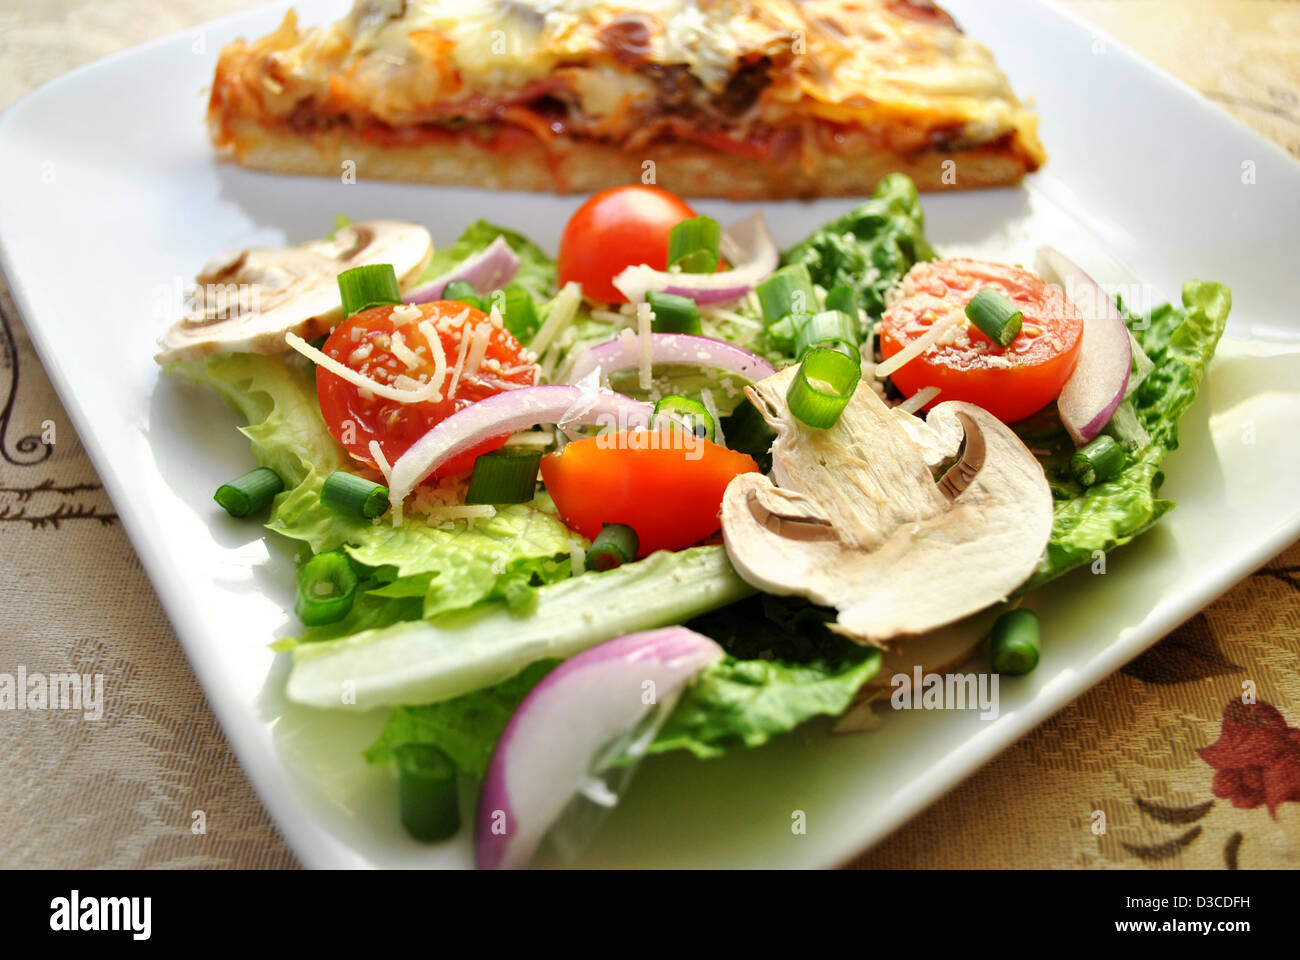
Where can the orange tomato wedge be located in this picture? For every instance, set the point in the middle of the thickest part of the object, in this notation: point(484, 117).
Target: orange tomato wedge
point(664, 484)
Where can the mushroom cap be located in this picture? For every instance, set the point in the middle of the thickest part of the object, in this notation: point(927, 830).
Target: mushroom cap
point(246, 301)
point(853, 518)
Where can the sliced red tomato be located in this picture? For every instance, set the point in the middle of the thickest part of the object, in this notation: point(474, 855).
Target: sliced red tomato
point(664, 485)
point(617, 228)
point(364, 342)
point(1011, 382)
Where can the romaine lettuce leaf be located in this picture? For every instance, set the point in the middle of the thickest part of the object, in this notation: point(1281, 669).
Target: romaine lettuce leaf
point(467, 650)
point(466, 729)
point(797, 670)
point(1180, 343)
point(536, 270)
point(451, 566)
point(871, 247)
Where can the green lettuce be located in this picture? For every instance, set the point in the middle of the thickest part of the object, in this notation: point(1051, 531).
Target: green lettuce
point(536, 270)
point(448, 567)
point(783, 667)
point(466, 728)
point(1180, 343)
point(871, 247)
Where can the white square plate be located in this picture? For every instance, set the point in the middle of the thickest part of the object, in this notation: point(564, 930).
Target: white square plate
point(111, 200)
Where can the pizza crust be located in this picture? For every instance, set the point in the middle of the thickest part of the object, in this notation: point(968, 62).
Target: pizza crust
point(577, 166)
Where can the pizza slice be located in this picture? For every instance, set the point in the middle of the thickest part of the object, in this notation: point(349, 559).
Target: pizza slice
point(726, 98)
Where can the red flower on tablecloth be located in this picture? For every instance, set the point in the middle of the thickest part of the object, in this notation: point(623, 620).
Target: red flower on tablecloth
point(1256, 758)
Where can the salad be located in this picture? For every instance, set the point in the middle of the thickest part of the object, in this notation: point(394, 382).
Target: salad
point(676, 489)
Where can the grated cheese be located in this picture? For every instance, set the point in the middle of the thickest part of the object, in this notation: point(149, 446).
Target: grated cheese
point(577, 558)
point(564, 308)
point(940, 329)
point(706, 398)
point(428, 391)
point(531, 438)
point(406, 313)
point(479, 341)
point(439, 356)
point(460, 365)
point(402, 352)
point(377, 455)
point(644, 322)
point(919, 399)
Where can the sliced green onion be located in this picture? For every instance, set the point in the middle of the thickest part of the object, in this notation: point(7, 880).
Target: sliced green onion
point(674, 314)
point(788, 291)
point(747, 432)
point(843, 298)
point(1098, 461)
point(326, 586)
point(353, 495)
point(687, 413)
point(782, 333)
point(426, 790)
point(693, 245)
point(1015, 643)
point(830, 328)
point(518, 312)
point(508, 475)
point(615, 545)
point(250, 493)
point(995, 315)
point(463, 292)
point(823, 386)
point(374, 285)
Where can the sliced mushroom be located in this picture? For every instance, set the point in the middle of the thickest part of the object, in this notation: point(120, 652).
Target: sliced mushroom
point(245, 302)
point(853, 517)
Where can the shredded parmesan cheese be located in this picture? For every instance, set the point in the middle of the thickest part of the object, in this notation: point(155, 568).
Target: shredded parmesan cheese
point(645, 316)
point(919, 399)
point(939, 330)
point(706, 397)
point(460, 365)
point(577, 558)
point(562, 312)
point(404, 353)
point(531, 438)
point(456, 511)
point(439, 356)
point(479, 342)
point(406, 313)
point(377, 455)
point(428, 391)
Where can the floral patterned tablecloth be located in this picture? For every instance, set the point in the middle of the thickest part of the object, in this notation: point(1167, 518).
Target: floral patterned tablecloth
point(1169, 753)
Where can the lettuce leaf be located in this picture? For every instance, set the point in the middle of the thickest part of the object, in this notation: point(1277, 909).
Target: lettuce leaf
point(797, 670)
point(783, 667)
point(466, 728)
point(871, 247)
point(1180, 343)
point(450, 567)
point(536, 270)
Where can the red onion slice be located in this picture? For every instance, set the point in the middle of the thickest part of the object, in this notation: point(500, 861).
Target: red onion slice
point(489, 269)
point(507, 413)
point(686, 348)
point(748, 246)
point(1096, 387)
point(544, 757)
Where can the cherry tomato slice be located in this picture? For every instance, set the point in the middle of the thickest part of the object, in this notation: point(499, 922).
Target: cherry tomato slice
point(668, 489)
point(365, 342)
point(1012, 382)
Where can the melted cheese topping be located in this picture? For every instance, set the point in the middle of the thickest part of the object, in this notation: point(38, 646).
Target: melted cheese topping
point(897, 64)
